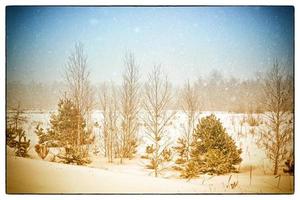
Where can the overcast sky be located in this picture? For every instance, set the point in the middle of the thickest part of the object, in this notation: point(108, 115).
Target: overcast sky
point(187, 41)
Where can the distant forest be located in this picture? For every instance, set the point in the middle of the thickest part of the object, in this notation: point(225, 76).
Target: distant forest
point(217, 93)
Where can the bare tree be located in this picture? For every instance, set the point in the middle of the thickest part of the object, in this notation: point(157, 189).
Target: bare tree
point(17, 118)
point(190, 104)
point(129, 108)
point(277, 102)
point(109, 106)
point(191, 107)
point(156, 117)
point(104, 101)
point(78, 84)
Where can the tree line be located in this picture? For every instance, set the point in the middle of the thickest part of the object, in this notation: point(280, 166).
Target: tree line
point(240, 96)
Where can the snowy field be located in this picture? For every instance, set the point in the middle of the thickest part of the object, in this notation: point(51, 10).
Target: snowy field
point(132, 177)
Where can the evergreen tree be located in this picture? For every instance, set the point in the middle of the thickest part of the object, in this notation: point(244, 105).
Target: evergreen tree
point(190, 105)
point(213, 150)
point(15, 135)
point(165, 156)
point(16, 139)
point(182, 152)
point(64, 133)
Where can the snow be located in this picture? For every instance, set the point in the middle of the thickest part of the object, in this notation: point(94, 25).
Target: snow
point(33, 175)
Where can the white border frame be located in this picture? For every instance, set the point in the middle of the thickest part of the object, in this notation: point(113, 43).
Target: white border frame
point(4, 3)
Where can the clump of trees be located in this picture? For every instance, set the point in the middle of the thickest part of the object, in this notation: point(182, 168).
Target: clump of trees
point(120, 110)
point(81, 96)
point(110, 127)
point(130, 106)
point(277, 101)
point(238, 95)
point(15, 134)
point(70, 128)
point(213, 150)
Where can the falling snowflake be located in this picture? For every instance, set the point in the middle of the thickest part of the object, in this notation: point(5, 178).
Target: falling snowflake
point(136, 29)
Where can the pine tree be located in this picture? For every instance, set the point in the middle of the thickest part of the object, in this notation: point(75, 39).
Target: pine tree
point(164, 157)
point(17, 139)
point(15, 135)
point(182, 152)
point(189, 170)
point(64, 133)
point(213, 150)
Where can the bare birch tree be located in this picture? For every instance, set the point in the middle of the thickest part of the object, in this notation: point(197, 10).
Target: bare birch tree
point(78, 84)
point(190, 104)
point(157, 117)
point(129, 108)
point(109, 106)
point(104, 101)
point(278, 104)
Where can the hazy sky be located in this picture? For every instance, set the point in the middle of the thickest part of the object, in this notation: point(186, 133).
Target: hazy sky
point(187, 41)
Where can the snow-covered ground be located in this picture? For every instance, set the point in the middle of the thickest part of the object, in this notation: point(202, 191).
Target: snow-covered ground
point(34, 175)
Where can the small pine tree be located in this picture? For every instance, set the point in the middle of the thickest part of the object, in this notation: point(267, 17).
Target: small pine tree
point(15, 135)
point(164, 157)
point(130, 149)
point(11, 136)
point(16, 139)
point(67, 131)
point(213, 150)
point(182, 159)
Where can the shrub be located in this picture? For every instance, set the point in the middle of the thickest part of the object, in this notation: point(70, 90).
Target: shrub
point(252, 121)
point(67, 131)
point(213, 150)
point(15, 134)
point(157, 162)
point(17, 140)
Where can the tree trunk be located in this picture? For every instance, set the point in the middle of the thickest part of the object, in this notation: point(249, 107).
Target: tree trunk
point(276, 165)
